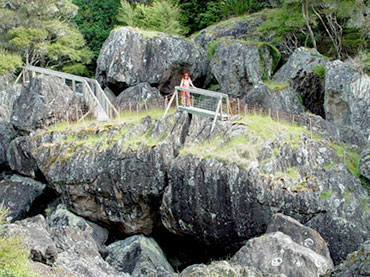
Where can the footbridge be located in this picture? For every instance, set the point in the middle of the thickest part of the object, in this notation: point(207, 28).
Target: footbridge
point(97, 101)
point(202, 102)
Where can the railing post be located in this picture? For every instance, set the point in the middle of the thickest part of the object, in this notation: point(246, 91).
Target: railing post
point(74, 87)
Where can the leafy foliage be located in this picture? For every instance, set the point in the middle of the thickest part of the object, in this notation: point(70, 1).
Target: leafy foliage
point(162, 16)
point(9, 61)
point(43, 33)
point(13, 253)
point(95, 19)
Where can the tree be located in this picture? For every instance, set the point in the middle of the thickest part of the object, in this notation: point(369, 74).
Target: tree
point(42, 32)
point(160, 15)
point(95, 20)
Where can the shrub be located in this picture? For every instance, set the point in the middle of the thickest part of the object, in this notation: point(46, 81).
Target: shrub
point(319, 71)
point(235, 7)
point(162, 16)
point(9, 62)
point(13, 253)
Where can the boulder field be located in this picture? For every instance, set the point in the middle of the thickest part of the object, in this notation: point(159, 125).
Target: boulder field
point(257, 196)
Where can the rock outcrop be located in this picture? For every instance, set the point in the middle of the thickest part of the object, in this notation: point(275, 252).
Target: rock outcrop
point(236, 67)
point(43, 101)
point(347, 98)
point(276, 253)
point(356, 264)
point(65, 249)
point(364, 164)
point(17, 194)
point(302, 72)
point(284, 100)
point(130, 56)
point(7, 134)
point(7, 98)
point(139, 256)
point(19, 158)
point(299, 233)
point(6, 81)
point(139, 97)
point(223, 268)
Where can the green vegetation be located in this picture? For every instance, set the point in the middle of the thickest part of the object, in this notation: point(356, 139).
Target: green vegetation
point(350, 159)
point(161, 15)
point(325, 195)
point(276, 85)
point(245, 148)
point(43, 33)
point(335, 28)
point(364, 205)
point(212, 48)
point(98, 136)
point(13, 253)
point(319, 70)
point(9, 61)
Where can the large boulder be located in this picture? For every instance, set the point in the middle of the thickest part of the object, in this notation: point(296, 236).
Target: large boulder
point(37, 239)
point(118, 181)
point(356, 263)
point(130, 56)
point(284, 100)
point(19, 159)
point(236, 67)
point(43, 101)
point(68, 250)
point(139, 256)
point(17, 194)
point(299, 233)
point(364, 164)
point(225, 202)
point(139, 97)
point(277, 253)
point(7, 134)
point(302, 72)
point(7, 98)
point(62, 217)
point(223, 268)
point(347, 98)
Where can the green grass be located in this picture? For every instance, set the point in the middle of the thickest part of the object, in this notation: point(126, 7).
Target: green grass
point(275, 85)
point(319, 71)
point(350, 159)
point(364, 205)
point(325, 195)
point(13, 253)
point(245, 148)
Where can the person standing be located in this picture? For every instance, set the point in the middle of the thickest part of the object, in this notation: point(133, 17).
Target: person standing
point(186, 83)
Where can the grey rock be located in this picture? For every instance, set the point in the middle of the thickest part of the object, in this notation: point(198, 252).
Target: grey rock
point(299, 233)
point(139, 256)
point(300, 71)
point(139, 97)
point(20, 159)
point(7, 134)
point(356, 263)
point(62, 217)
point(236, 67)
point(17, 195)
point(7, 98)
point(347, 98)
point(285, 100)
point(364, 164)
point(342, 235)
point(222, 204)
point(117, 188)
point(224, 268)
point(241, 28)
point(276, 253)
point(42, 101)
point(83, 259)
point(36, 238)
point(129, 58)
point(6, 81)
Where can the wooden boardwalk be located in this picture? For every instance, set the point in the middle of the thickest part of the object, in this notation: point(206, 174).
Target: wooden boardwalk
point(95, 98)
point(201, 102)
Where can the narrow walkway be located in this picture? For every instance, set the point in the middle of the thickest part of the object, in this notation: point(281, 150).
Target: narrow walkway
point(97, 101)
